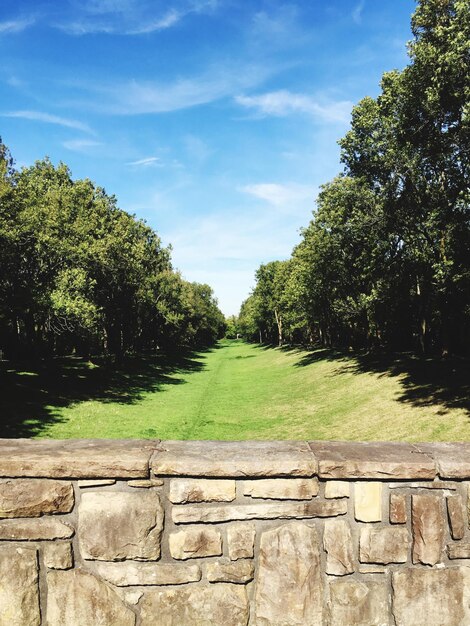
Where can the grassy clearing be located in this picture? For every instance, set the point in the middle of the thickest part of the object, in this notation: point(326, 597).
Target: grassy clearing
point(241, 391)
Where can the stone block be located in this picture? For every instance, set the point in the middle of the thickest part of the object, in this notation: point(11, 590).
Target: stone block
point(428, 524)
point(196, 514)
point(77, 598)
point(455, 512)
point(382, 460)
point(452, 459)
point(19, 587)
point(397, 508)
point(123, 525)
point(289, 585)
point(218, 605)
point(183, 490)
point(234, 458)
point(241, 540)
point(357, 603)
point(131, 573)
point(42, 529)
point(238, 572)
point(458, 551)
point(383, 545)
point(33, 497)
point(434, 597)
point(337, 542)
point(84, 484)
point(281, 488)
point(194, 543)
point(58, 555)
point(145, 483)
point(337, 489)
point(368, 502)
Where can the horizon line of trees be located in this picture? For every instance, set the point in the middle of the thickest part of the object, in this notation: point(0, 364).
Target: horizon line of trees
point(385, 261)
point(79, 275)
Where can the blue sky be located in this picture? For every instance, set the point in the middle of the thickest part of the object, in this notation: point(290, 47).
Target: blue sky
point(214, 120)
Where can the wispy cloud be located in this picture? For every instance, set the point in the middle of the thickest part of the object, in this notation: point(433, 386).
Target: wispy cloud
point(15, 26)
point(357, 12)
point(282, 103)
point(281, 195)
point(47, 118)
point(148, 162)
point(81, 145)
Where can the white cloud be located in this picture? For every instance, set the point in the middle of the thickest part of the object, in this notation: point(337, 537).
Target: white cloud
point(147, 162)
point(282, 103)
point(49, 119)
point(281, 195)
point(81, 145)
point(357, 12)
point(15, 26)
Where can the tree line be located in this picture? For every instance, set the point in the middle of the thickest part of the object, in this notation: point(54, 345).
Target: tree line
point(79, 275)
point(385, 261)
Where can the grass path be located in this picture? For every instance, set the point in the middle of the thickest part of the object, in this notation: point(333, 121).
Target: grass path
point(241, 391)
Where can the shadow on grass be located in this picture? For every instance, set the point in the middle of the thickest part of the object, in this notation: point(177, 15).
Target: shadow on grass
point(423, 381)
point(30, 393)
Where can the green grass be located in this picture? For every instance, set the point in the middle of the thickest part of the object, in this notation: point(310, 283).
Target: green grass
point(242, 391)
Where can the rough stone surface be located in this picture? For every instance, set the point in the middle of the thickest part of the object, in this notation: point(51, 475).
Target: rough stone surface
point(76, 458)
point(281, 488)
point(189, 514)
point(58, 555)
point(239, 572)
point(77, 598)
point(383, 545)
point(145, 483)
point(337, 543)
point(428, 523)
point(183, 490)
point(33, 497)
point(44, 528)
point(336, 489)
point(397, 508)
point(83, 484)
point(289, 587)
point(241, 540)
point(193, 543)
point(434, 597)
point(131, 573)
point(384, 460)
point(19, 590)
point(356, 603)
point(371, 569)
point(368, 502)
point(434, 484)
point(452, 459)
point(221, 604)
point(459, 551)
point(120, 525)
point(234, 458)
point(455, 511)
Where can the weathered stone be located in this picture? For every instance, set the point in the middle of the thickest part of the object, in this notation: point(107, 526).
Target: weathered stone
point(193, 543)
point(120, 525)
point(384, 460)
point(427, 517)
point(76, 458)
point(83, 484)
point(76, 598)
point(356, 603)
point(58, 555)
point(33, 497)
point(368, 502)
point(383, 545)
point(190, 514)
point(435, 597)
point(44, 528)
point(184, 490)
point(337, 543)
point(239, 572)
point(455, 512)
point(234, 458)
point(19, 589)
point(337, 489)
point(241, 540)
point(130, 596)
point(146, 483)
point(459, 551)
point(132, 573)
point(211, 605)
point(289, 588)
point(397, 508)
point(430, 484)
point(281, 488)
point(371, 569)
point(452, 459)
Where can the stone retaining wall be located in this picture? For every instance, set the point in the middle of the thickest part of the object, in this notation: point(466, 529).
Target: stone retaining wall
point(233, 534)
